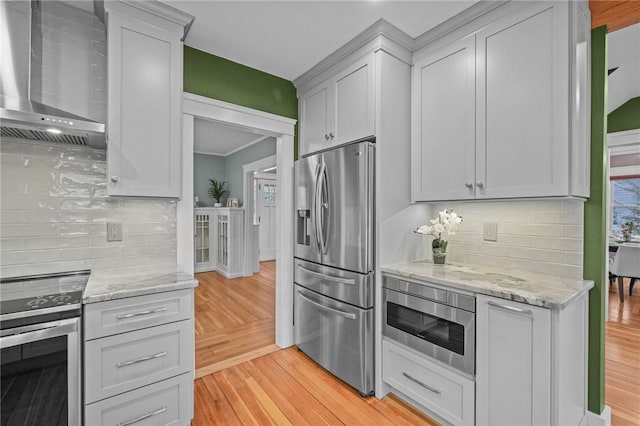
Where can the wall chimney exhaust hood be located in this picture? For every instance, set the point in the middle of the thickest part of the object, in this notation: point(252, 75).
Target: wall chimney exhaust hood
point(20, 116)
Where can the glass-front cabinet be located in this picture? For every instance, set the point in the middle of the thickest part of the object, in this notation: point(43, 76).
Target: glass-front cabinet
point(203, 255)
point(219, 240)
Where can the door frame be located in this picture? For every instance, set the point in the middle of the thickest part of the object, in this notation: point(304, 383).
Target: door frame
point(247, 185)
point(260, 122)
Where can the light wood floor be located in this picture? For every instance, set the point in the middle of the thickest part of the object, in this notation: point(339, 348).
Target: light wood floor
point(235, 323)
point(622, 357)
point(287, 388)
point(243, 378)
point(234, 319)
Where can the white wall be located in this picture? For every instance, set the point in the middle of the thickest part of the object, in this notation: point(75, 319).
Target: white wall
point(54, 208)
point(544, 236)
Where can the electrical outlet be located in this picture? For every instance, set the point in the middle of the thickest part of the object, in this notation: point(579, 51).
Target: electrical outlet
point(114, 231)
point(491, 231)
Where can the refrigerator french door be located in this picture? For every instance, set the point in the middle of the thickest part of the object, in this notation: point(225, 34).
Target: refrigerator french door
point(333, 292)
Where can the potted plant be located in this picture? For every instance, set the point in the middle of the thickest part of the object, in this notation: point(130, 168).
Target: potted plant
point(217, 191)
point(446, 223)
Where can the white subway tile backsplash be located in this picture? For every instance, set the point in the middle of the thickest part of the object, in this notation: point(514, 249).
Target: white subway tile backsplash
point(54, 211)
point(533, 235)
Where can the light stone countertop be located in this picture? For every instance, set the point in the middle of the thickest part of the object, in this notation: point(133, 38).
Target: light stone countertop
point(547, 291)
point(120, 284)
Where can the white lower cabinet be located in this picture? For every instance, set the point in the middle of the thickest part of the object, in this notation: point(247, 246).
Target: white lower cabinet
point(169, 402)
point(139, 360)
point(441, 391)
point(530, 363)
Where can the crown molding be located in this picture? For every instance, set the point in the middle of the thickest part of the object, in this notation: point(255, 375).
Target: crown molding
point(155, 8)
point(401, 47)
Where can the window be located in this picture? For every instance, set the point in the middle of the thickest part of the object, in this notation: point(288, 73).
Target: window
point(625, 203)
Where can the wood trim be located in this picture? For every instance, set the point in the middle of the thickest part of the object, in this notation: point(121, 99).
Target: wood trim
point(624, 177)
point(210, 369)
point(614, 14)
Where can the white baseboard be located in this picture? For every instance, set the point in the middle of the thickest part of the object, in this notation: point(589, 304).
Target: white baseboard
point(602, 419)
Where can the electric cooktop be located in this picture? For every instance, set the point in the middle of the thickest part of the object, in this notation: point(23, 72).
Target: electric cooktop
point(38, 298)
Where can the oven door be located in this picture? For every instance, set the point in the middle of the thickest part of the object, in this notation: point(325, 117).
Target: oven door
point(41, 373)
point(434, 329)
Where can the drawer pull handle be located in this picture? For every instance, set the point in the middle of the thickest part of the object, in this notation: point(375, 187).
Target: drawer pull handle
point(348, 281)
point(510, 308)
point(141, 313)
point(143, 417)
point(347, 315)
point(427, 387)
point(143, 359)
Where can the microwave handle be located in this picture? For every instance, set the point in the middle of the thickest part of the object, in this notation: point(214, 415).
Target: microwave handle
point(42, 332)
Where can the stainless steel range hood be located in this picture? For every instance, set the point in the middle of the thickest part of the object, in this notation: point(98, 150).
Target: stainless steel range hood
point(20, 116)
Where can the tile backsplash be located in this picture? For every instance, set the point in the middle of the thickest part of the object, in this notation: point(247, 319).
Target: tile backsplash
point(54, 209)
point(544, 236)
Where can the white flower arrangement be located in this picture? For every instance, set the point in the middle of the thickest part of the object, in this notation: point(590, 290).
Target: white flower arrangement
point(445, 224)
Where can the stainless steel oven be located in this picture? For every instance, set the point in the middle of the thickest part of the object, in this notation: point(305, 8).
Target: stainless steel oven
point(40, 344)
point(437, 322)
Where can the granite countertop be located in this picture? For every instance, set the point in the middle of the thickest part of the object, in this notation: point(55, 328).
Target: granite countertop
point(547, 291)
point(119, 284)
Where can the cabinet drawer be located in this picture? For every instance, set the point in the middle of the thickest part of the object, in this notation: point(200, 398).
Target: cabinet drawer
point(134, 313)
point(131, 360)
point(169, 402)
point(447, 394)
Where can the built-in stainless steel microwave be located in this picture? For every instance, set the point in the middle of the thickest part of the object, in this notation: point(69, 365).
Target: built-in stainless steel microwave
point(436, 322)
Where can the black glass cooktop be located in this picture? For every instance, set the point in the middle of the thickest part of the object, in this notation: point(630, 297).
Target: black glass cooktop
point(50, 295)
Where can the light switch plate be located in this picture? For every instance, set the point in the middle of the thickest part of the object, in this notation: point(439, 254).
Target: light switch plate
point(491, 231)
point(114, 231)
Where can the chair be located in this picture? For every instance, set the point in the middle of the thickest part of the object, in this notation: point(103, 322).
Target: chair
point(626, 265)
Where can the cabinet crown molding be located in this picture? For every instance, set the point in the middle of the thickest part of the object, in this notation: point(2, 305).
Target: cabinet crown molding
point(401, 46)
point(156, 8)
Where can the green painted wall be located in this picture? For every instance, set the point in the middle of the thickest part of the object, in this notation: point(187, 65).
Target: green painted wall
point(235, 161)
point(206, 167)
point(595, 226)
point(625, 117)
point(218, 78)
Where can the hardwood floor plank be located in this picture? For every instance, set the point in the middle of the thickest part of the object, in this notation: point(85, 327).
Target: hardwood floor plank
point(234, 317)
point(622, 358)
point(300, 405)
point(221, 365)
point(246, 407)
point(211, 406)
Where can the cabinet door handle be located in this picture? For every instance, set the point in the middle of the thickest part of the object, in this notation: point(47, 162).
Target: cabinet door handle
point(480, 184)
point(469, 185)
point(115, 179)
point(510, 308)
point(331, 135)
point(139, 360)
point(142, 313)
point(143, 417)
point(427, 387)
point(326, 137)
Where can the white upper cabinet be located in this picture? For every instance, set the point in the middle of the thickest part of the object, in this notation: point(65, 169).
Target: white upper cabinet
point(519, 84)
point(340, 109)
point(443, 136)
point(144, 103)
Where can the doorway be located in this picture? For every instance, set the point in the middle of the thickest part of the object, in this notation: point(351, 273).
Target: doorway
point(282, 129)
point(265, 196)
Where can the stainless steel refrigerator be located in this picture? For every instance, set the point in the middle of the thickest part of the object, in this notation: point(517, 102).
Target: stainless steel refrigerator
point(334, 261)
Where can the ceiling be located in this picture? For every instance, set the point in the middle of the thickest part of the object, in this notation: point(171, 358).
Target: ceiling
point(214, 138)
point(624, 53)
point(287, 38)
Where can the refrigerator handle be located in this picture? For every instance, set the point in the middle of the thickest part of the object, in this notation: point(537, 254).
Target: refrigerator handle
point(316, 205)
point(324, 207)
point(319, 190)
